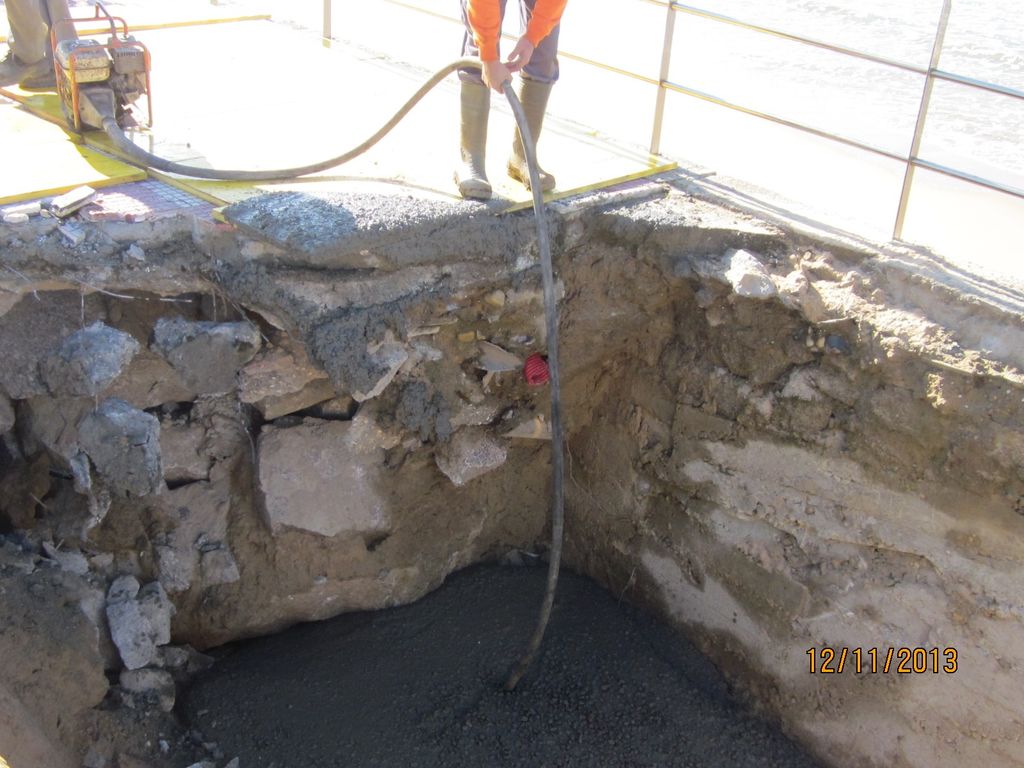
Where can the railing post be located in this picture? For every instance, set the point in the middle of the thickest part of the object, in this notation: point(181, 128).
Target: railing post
point(666, 60)
point(922, 115)
point(327, 22)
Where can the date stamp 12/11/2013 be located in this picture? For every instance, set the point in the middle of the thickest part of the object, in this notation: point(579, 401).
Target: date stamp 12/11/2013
point(902, 661)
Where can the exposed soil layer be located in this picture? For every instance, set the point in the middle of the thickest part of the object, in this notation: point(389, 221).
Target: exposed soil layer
point(421, 686)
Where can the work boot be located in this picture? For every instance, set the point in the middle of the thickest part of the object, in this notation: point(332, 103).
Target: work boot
point(38, 76)
point(471, 173)
point(534, 97)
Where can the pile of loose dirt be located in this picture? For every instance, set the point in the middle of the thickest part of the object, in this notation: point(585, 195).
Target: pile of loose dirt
point(421, 686)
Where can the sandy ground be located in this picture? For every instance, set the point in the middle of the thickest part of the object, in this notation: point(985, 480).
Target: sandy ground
point(421, 686)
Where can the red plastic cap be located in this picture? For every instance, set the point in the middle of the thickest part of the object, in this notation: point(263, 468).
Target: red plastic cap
point(535, 370)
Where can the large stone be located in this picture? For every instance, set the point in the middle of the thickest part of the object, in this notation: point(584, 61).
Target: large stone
point(149, 381)
point(326, 477)
point(469, 454)
point(51, 671)
point(181, 452)
point(88, 361)
point(139, 619)
point(206, 355)
point(196, 518)
point(123, 444)
point(278, 382)
point(51, 424)
point(6, 414)
point(32, 330)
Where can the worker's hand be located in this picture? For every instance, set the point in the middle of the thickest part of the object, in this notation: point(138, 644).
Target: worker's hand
point(496, 75)
point(520, 55)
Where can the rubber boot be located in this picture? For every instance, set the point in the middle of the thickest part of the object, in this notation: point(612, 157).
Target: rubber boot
point(471, 173)
point(534, 96)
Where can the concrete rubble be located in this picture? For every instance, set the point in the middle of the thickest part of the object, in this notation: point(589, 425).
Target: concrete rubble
point(776, 440)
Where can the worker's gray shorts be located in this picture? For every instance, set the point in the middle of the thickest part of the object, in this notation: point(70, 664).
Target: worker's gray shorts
point(543, 66)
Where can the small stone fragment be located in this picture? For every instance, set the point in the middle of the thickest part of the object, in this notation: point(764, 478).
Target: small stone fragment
point(139, 619)
point(206, 355)
point(218, 566)
point(147, 688)
point(88, 361)
point(747, 276)
point(388, 355)
point(495, 299)
point(495, 359)
point(135, 252)
point(467, 337)
point(73, 562)
point(469, 454)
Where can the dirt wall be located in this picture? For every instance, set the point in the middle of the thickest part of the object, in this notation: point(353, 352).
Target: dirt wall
point(778, 442)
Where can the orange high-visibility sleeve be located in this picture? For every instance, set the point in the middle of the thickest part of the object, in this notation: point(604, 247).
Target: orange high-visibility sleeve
point(485, 20)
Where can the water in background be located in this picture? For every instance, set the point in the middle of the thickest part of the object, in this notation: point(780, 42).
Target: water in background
point(971, 129)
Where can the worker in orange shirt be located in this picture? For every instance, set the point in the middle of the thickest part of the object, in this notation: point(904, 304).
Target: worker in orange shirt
point(29, 59)
point(535, 56)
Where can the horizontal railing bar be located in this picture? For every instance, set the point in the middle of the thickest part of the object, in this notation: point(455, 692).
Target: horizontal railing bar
point(800, 39)
point(565, 54)
point(938, 73)
point(984, 85)
point(783, 121)
point(969, 177)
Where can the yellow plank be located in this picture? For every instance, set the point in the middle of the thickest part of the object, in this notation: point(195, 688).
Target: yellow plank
point(656, 167)
point(40, 160)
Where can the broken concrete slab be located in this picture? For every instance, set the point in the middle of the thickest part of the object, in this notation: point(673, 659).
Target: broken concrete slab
point(123, 445)
point(325, 477)
point(206, 355)
point(278, 382)
point(88, 361)
point(469, 454)
point(359, 231)
point(139, 619)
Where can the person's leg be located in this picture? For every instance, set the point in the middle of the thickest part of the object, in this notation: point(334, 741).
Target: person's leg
point(30, 30)
point(30, 62)
point(475, 98)
point(535, 85)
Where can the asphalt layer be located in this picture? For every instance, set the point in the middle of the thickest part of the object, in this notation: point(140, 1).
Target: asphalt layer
point(421, 686)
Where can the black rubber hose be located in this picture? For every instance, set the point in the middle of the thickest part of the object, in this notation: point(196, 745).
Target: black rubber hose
point(547, 274)
point(125, 145)
point(557, 440)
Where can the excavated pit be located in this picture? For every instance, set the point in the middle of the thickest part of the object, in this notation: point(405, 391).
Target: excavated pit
point(777, 441)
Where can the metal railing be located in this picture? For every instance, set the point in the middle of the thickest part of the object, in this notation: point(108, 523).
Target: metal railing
point(911, 160)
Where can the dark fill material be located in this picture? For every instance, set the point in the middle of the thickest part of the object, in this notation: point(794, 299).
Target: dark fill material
point(422, 686)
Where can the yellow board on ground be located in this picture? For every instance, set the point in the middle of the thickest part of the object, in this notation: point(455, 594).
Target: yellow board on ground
point(39, 159)
point(221, 109)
